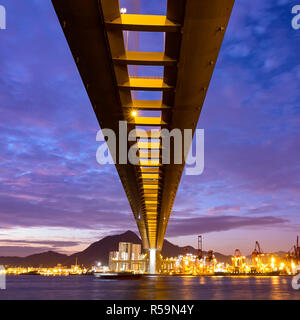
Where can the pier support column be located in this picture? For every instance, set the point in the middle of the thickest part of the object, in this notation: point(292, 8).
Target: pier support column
point(152, 261)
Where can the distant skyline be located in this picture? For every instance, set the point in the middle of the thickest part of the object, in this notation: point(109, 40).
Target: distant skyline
point(55, 196)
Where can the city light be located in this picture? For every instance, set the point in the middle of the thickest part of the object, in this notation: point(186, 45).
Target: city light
point(129, 258)
point(58, 270)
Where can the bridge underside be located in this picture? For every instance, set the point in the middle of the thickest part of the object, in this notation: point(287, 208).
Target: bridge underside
point(194, 32)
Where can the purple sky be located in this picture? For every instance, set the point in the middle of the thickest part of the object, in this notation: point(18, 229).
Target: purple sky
point(54, 195)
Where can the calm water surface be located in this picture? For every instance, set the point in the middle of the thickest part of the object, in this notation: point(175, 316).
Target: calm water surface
point(152, 288)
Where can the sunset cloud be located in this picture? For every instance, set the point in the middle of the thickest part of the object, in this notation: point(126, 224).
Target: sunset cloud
point(201, 225)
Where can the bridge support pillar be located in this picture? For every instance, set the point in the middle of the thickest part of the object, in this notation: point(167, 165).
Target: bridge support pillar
point(152, 261)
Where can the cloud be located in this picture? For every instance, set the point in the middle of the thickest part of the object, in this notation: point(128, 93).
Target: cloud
point(46, 242)
point(71, 212)
point(21, 251)
point(22, 248)
point(222, 209)
point(264, 209)
point(183, 227)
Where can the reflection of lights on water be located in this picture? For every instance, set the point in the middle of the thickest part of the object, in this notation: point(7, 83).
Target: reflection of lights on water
point(202, 280)
point(275, 280)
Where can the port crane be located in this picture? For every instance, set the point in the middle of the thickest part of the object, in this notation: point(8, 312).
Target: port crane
point(297, 250)
point(294, 253)
point(257, 249)
point(257, 256)
point(200, 247)
point(238, 261)
point(257, 252)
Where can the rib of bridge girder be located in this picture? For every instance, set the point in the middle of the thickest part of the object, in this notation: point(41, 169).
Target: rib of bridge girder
point(149, 163)
point(146, 105)
point(137, 22)
point(149, 170)
point(153, 154)
point(144, 58)
point(150, 176)
point(148, 121)
point(149, 145)
point(145, 84)
point(145, 134)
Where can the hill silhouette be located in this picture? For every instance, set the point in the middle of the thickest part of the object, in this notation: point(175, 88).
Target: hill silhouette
point(44, 259)
point(99, 251)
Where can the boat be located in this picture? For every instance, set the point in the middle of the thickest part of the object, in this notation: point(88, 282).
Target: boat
point(118, 275)
point(31, 273)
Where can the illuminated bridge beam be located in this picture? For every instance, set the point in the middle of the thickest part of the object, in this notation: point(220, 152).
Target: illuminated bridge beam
point(145, 134)
point(145, 84)
point(138, 22)
point(148, 121)
point(94, 30)
point(145, 58)
point(146, 105)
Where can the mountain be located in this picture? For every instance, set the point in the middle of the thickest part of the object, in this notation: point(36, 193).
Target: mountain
point(280, 253)
point(45, 259)
point(171, 250)
point(98, 251)
point(223, 258)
